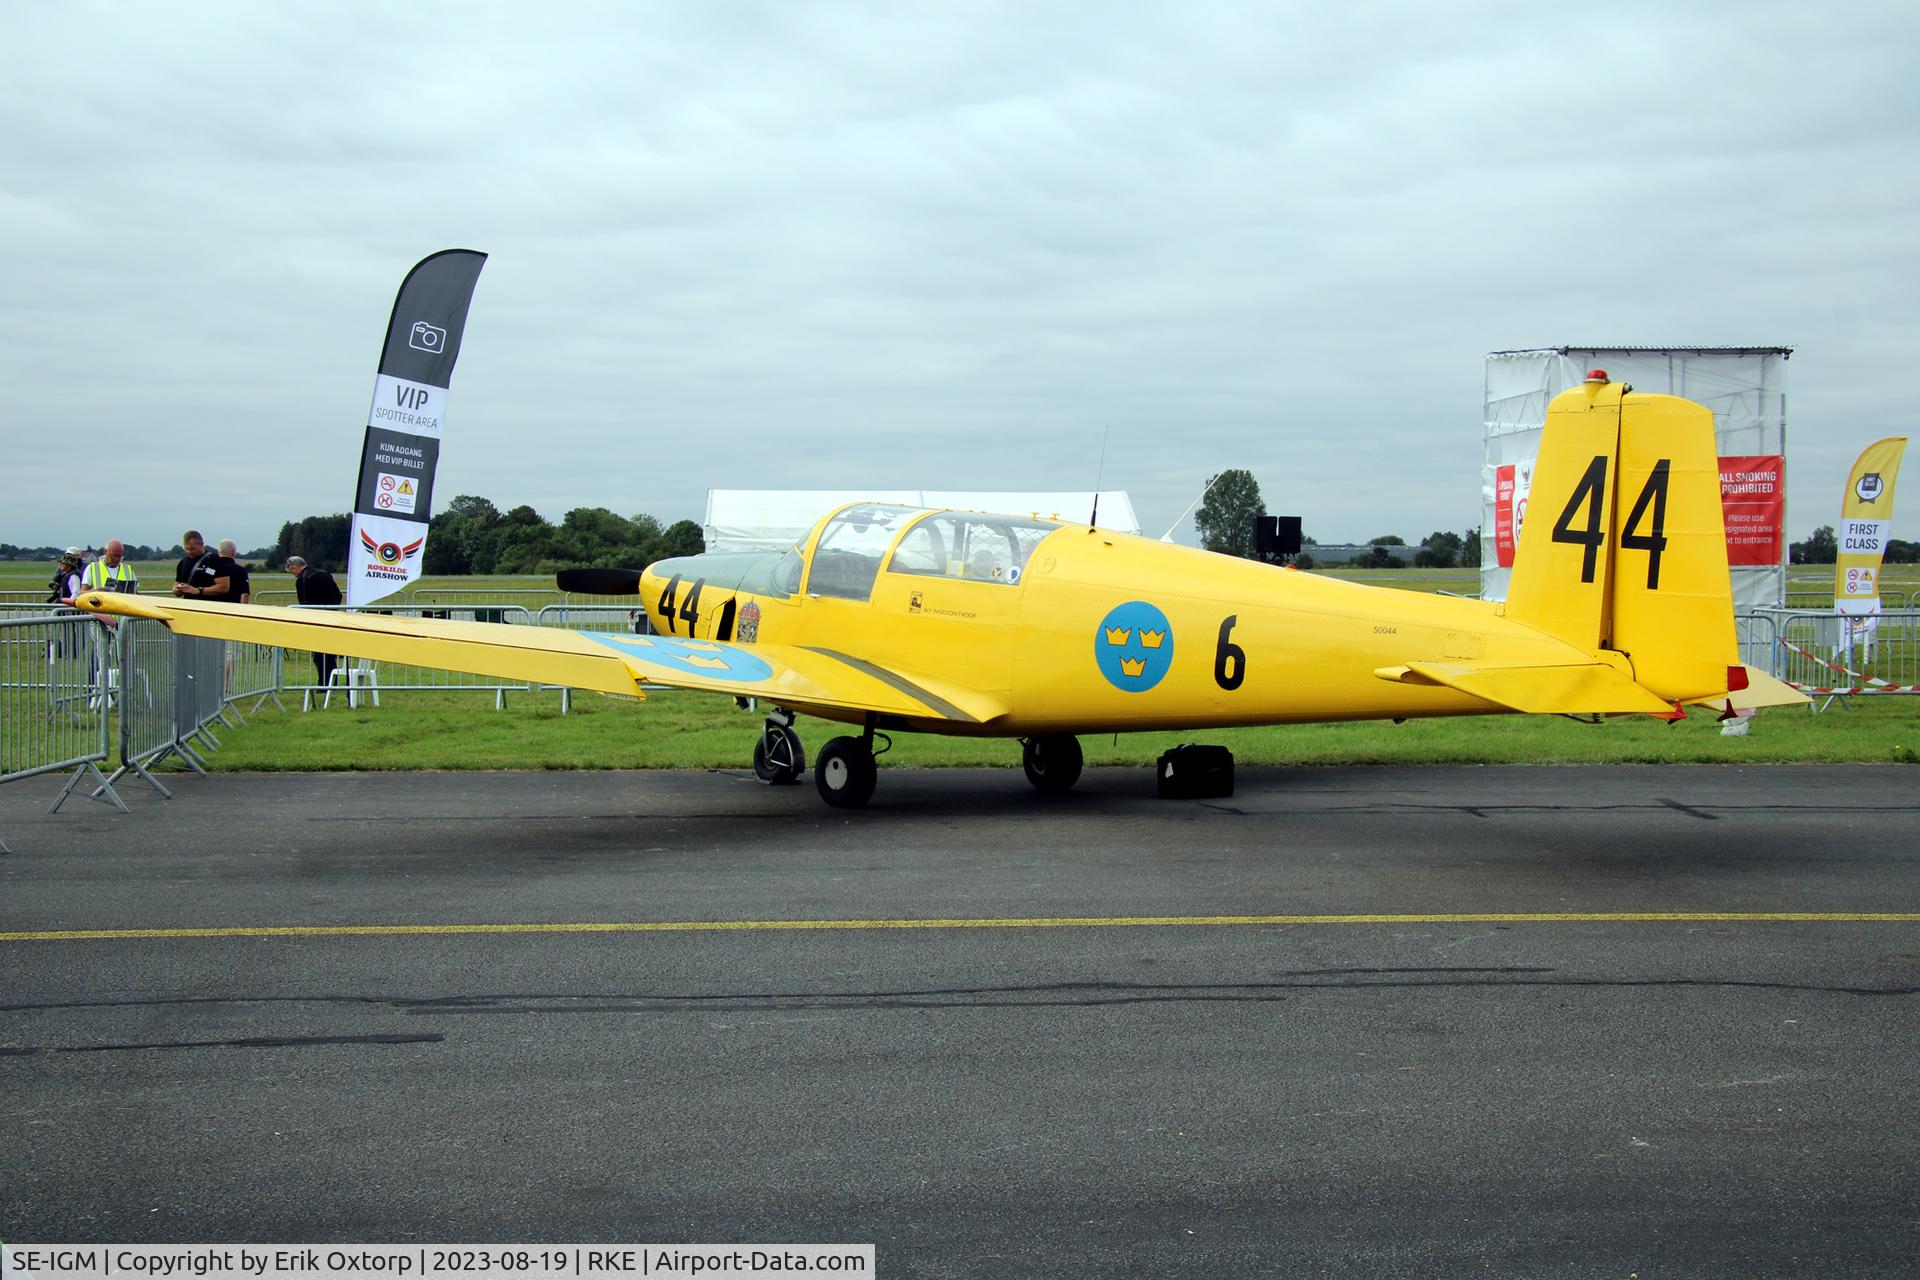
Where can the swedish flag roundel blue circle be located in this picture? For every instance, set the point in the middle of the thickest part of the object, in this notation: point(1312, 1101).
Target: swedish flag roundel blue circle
point(1133, 646)
point(691, 657)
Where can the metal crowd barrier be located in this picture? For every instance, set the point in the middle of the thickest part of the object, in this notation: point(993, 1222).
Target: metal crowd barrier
point(528, 598)
point(199, 694)
point(1758, 638)
point(75, 691)
point(1804, 596)
point(1826, 654)
point(54, 695)
point(254, 671)
point(629, 618)
point(358, 678)
point(146, 701)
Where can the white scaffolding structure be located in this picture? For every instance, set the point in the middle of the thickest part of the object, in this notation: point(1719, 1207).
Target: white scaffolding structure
point(1745, 387)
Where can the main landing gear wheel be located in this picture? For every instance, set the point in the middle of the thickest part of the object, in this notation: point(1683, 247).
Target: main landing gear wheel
point(778, 758)
point(845, 773)
point(1052, 764)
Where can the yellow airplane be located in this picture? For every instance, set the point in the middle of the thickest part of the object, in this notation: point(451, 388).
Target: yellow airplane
point(959, 622)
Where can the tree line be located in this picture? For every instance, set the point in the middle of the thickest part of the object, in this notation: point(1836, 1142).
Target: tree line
point(1823, 547)
point(472, 535)
point(134, 551)
point(1225, 524)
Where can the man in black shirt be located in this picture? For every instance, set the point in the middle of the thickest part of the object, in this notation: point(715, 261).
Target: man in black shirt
point(202, 574)
point(240, 591)
point(315, 586)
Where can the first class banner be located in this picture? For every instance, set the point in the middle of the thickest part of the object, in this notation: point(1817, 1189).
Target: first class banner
point(394, 501)
point(1866, 515)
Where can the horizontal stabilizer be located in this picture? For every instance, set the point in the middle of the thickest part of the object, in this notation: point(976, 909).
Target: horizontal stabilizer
point(1585, 688)
point(1762, 691)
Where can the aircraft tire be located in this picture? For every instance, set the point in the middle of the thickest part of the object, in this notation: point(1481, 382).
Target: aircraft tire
point(1052, 764)
point(778, 758)
point(845, 773)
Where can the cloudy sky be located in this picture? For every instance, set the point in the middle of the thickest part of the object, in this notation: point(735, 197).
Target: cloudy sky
point(924, 245)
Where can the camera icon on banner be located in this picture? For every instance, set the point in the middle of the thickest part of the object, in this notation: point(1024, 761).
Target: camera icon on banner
point(427, 337)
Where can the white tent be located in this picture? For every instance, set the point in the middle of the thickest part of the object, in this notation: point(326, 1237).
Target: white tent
point(773, 519)
point(1746, 387)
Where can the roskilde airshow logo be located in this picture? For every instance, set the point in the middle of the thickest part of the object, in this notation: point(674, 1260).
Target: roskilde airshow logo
point(389, 558)
point(1133, 646)
point(1869, 486)
point(430, 338)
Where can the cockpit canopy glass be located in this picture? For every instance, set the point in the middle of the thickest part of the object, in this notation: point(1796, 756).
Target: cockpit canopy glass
point(848, 556)
point(970, 546)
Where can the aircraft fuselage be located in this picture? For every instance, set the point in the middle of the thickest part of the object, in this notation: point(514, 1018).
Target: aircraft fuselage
point(1107, 632)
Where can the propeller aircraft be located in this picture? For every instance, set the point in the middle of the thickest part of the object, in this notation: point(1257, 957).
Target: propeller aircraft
point(898, 619)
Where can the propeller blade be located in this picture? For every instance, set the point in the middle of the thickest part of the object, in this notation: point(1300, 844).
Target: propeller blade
point(600, 582)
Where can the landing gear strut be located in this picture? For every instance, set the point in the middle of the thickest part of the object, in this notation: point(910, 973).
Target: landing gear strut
point(845, 772)
point(1052, 764)
point(778, 758)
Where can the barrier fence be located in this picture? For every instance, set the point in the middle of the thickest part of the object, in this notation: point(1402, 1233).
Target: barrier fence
point(1827, 655)
point(53, 701)
point(365, 679)
point(146, 699)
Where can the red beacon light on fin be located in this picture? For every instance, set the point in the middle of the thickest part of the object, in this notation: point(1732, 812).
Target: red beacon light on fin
point(1597, 375)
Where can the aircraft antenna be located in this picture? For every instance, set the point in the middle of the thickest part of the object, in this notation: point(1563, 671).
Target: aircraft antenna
point(1168, 535)
point(1099, 476)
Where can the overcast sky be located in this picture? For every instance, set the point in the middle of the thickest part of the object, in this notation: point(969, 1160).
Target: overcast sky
point(925, 245)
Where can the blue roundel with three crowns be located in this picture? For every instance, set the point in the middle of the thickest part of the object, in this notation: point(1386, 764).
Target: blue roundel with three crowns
point(1133, 646)
point(691, 657)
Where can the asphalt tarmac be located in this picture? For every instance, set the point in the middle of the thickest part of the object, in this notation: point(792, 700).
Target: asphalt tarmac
point(1235, 1037)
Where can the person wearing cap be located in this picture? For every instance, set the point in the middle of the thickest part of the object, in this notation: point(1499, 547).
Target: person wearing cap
point(66, 584)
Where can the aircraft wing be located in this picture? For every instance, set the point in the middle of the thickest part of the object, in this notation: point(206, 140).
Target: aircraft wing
point(797, 676)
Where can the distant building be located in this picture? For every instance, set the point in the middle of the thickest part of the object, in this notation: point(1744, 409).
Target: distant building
point(1328, 555)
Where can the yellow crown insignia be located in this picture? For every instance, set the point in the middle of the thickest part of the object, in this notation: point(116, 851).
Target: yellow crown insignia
point(1152, 639)
point(1132, 666)
point(1118, 635)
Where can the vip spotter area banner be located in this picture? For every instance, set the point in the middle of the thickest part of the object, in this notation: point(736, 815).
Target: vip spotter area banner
point(386, 545)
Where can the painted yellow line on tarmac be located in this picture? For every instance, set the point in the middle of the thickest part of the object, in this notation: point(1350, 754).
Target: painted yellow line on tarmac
point(1033, 922)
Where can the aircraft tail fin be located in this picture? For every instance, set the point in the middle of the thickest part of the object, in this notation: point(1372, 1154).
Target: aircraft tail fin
point(1624, 548)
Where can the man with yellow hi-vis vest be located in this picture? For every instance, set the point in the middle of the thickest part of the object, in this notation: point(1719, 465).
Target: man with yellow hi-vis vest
point(112, 571)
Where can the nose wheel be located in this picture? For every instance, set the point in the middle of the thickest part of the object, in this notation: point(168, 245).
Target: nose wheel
point(1052, 764)
point(778, 758)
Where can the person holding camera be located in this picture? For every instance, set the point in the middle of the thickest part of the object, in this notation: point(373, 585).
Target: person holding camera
point(66, 583)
